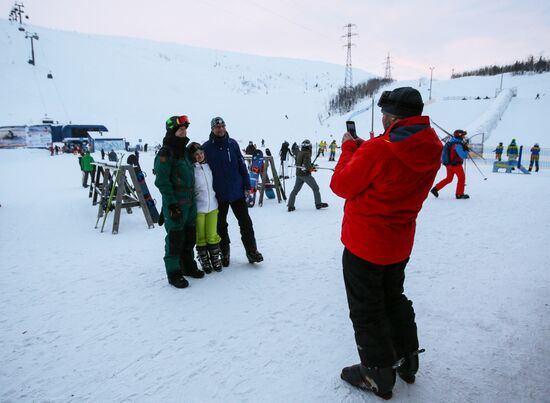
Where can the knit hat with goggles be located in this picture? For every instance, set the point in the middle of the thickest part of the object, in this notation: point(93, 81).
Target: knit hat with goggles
point(173, 123)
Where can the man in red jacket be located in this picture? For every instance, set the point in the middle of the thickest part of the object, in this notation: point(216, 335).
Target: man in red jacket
point(384, 181)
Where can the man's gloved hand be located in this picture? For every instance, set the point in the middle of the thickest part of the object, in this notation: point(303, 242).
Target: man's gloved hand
point(175, 212)
point(246, 193)
point(465, 147)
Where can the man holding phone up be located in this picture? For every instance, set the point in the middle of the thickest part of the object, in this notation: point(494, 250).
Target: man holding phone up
point(384, 181)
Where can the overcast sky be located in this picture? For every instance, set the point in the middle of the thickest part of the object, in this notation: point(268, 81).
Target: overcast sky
point(451, 34)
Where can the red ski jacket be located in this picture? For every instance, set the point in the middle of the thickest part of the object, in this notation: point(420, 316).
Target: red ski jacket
point(385, 181)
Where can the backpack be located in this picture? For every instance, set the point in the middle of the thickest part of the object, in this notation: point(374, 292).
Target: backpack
point(446, 154)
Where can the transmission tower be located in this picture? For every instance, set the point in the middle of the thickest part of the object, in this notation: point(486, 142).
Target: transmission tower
point(348, 81)
point(387, 73)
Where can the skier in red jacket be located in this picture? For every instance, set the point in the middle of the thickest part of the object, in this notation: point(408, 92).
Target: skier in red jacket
point(384, 181)
point(454, 154)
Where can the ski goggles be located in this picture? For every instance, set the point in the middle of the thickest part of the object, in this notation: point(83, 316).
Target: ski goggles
point(177, 121)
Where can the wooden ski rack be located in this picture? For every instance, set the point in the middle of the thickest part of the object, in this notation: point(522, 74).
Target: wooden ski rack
point(114, 188)
point(264, 181)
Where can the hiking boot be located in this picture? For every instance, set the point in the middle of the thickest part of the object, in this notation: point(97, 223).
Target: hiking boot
point(193, 271)
point(464, 196)
point(380, 381)
point(204, 259)
point(216, 258)
point(225, 255)
point(291, 208)
point(435, 192)
point(321, 205)
point(177, 280)
point(254, 256)
point(409, 367)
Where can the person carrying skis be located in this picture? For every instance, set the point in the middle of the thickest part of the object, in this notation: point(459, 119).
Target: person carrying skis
point(535, 153)
point(384, 181)
point(512, 151)
point(454, 154)
point(332, 148)
point(232, 186)
point(498, 152)
point(304, 168)
point(208, 240)
point(86, 167)
point(175, 178)
point(285, 151)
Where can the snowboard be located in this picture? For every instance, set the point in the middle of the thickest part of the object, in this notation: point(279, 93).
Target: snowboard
point(149, 201)
point(254, 172)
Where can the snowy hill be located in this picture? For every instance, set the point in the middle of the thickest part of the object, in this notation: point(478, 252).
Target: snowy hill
point(132, 86)
point(89, 316)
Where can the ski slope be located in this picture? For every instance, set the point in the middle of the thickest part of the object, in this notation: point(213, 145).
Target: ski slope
point(89, 316)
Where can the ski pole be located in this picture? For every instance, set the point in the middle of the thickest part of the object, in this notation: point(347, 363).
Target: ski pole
point(481, 173)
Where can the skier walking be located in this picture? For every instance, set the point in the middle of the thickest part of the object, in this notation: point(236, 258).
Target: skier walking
point(498, 152)
point(453, 156)
point(86, 167)
point(102, 154)
point(283, 153)
point(332, 148)
point(304, 168)
point(535, 153)
point(175, 178)
point(208, 240)
point(384, 181)
point(232, 185)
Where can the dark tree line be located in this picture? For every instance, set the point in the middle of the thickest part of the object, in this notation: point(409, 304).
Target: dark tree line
point(519, 67)
point(346, 98)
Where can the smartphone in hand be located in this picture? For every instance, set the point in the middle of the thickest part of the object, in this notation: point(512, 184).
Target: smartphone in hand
point(350, 128)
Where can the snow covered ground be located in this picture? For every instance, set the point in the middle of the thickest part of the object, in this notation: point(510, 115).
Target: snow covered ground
point(89, 316)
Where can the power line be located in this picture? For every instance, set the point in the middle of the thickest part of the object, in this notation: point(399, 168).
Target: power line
point(387, 73)
point(348, 81)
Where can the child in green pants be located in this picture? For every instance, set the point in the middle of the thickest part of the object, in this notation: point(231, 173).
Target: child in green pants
point(208, 240)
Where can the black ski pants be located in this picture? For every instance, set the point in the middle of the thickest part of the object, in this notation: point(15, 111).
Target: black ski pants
point(240, 209)
point(382, 316)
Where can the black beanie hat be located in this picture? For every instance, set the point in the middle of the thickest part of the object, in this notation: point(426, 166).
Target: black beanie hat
point(402, 102)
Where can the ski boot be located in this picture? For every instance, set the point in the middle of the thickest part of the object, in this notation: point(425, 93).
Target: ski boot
point(192, 270)
point(463, 196)
point(435, 192)
point(254, 256)
point(290, 209)
point(204, 260)
point(380, 381)
point(409, 366)
point(216, 257)
point(177, 280)
point(321, 205)
point(225, 254)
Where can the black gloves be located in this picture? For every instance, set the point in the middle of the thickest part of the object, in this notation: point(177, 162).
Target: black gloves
point(175, 212)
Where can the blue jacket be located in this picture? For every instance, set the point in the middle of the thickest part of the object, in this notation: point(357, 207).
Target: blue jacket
point(228, 168)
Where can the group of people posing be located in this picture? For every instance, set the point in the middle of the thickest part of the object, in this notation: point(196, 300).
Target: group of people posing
point(198, 184)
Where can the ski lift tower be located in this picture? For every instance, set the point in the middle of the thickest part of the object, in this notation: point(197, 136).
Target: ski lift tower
point(32, 36)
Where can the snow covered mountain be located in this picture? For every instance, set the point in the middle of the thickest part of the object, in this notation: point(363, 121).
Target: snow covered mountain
point(89, 316)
